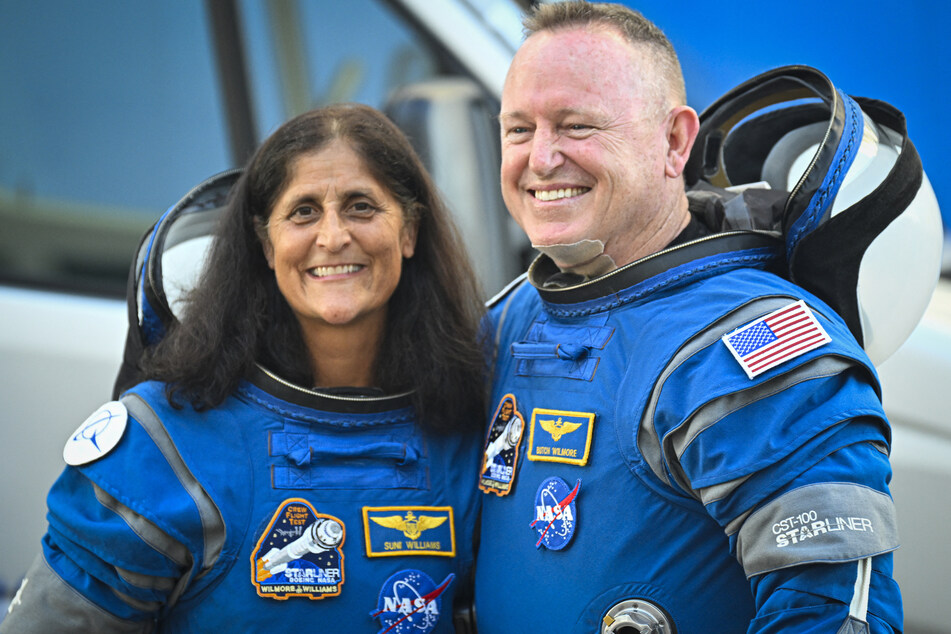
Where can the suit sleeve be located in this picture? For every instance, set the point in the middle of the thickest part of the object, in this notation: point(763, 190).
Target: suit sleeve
point(793, 466)
point(125, 538)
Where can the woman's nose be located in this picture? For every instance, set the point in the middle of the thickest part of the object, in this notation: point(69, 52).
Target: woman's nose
point(332, 232)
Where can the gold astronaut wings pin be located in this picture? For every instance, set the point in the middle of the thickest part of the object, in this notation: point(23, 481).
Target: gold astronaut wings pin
point(410, 525)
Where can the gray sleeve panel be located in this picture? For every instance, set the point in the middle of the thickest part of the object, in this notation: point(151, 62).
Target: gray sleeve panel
point(648, 442)
point(213, 525)
point(736, 523)
point(817, 523)
point(678, 440)
point(47, 604)
point(853, 626)
point(141, 606)
point(146, 582)
point(160, 541)
point(146, 530)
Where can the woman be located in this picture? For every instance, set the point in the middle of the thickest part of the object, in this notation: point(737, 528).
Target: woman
point(302, 453)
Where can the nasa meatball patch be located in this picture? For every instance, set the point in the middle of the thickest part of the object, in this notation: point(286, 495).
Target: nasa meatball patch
point(300, 554)
point(410, 603)
point(555, 518)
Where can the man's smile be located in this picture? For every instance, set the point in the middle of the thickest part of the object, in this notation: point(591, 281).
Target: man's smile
point(546, 195)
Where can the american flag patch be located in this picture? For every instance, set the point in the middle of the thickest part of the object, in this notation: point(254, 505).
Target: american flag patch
point(778, 337)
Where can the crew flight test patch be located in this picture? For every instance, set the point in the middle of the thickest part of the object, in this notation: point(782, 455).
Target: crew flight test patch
point(299, 554)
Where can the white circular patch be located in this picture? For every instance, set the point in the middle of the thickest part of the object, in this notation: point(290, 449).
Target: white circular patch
point(97, 436)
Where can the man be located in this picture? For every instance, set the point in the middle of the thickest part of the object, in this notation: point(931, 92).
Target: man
point(657, 487)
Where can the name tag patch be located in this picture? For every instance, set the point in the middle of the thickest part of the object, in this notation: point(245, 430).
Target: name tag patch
point(500, 455)
point(392, 531)
point(559, 436)
point(300, 554)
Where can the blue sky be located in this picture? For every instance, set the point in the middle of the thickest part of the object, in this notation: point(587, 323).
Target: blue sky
point(884, 50)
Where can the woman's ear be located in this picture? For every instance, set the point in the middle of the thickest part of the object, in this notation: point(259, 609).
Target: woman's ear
point(260, 228)
point(408, 239)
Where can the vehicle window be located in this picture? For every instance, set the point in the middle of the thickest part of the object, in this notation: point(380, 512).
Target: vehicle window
point(109, 112)
point(306, 54)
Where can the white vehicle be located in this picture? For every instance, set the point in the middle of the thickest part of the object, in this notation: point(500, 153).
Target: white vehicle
point(119, 109)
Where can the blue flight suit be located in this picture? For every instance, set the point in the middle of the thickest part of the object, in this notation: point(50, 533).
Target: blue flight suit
point(652, 467)
point(207, 521)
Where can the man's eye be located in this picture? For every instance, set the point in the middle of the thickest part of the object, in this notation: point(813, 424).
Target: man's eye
point(518, 133)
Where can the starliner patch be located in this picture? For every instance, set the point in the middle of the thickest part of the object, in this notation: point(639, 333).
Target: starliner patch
point(557, 436)
point(410, 603)
point(98, 435)
point(555, 513)
point(391, 531)
point(776, 338)
point(500, 457)
point(300, 554)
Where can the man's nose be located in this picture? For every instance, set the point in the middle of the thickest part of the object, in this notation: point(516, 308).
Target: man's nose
point(546, 153)
point(333, 233)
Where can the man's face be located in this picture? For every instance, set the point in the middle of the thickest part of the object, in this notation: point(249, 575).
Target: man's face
point(583, 141)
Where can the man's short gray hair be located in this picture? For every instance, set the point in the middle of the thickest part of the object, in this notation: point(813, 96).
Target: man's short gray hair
point(631, 24)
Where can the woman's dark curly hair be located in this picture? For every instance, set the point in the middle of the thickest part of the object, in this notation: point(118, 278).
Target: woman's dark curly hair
point(236, 316)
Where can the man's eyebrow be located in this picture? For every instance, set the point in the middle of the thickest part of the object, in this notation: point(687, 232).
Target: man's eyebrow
point(511, 115)
point(564, 112)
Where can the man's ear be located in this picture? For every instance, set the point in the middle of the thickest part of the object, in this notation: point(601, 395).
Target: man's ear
point(260, 228)
point(682, 128)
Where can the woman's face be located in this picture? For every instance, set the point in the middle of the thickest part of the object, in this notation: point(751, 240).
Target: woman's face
point(336, 240)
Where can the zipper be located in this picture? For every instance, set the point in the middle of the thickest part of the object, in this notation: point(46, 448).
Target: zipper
point(647, 258)
point(350, 399)
point(815, 158)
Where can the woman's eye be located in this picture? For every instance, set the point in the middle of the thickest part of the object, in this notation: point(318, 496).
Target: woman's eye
point(362, 209)
point(303, 214)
